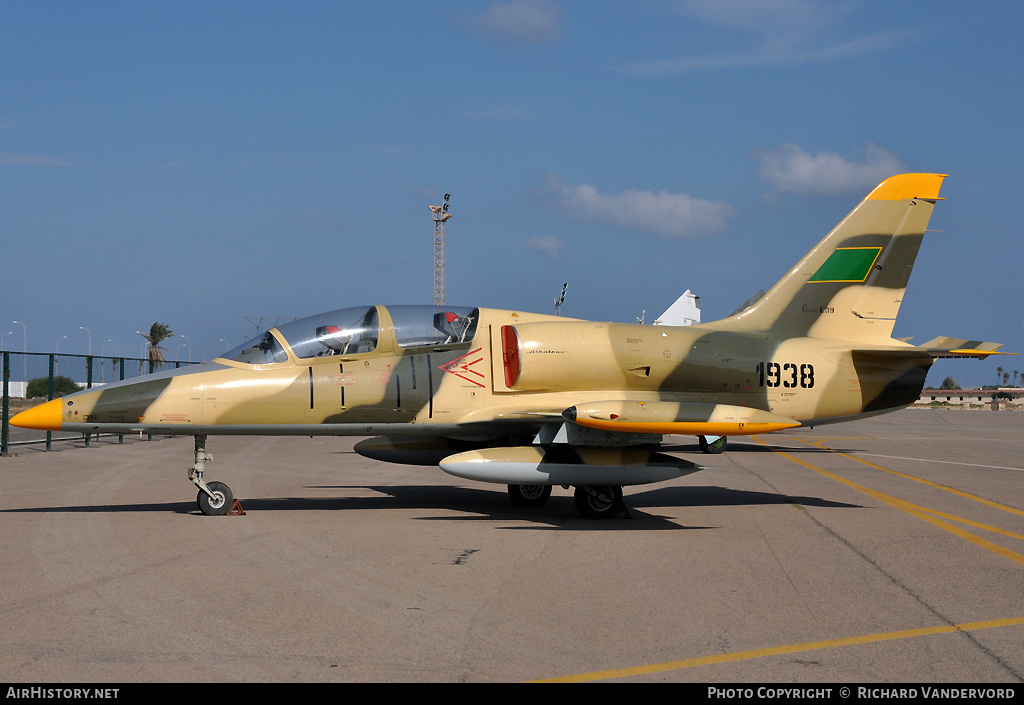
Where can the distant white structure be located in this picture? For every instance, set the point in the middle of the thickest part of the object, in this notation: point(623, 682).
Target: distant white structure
point(17, 389)
point(684, 312)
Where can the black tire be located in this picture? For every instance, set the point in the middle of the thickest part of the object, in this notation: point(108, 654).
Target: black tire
point(218, 505)
point(598, 501)
point(529, 495)
point(713, 447)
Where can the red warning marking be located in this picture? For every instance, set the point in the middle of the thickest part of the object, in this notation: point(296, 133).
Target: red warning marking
point(461, 369)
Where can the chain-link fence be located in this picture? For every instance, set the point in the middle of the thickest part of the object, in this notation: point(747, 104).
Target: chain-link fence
point(33, 378)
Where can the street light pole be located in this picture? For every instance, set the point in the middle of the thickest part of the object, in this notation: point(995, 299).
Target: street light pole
point(108, 340)
point(24, 358)
point(56, 353)
point(142, 350)
point(90, 337)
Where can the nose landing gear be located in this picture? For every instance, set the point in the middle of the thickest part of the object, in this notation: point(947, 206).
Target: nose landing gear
point(214, 498)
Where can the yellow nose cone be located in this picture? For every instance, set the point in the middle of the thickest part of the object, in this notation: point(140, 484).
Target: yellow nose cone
point(45, 417)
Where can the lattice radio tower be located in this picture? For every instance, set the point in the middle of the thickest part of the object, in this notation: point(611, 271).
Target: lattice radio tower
point(441, 214)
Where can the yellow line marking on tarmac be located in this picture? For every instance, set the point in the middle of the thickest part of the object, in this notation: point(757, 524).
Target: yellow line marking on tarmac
point(924, 513)
point(907, 507)
point(780, 650)
point(905, 476)
point(975, 524)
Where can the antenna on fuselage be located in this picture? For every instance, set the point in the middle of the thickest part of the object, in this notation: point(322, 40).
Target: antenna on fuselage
point(560, 300)
point(441, 214)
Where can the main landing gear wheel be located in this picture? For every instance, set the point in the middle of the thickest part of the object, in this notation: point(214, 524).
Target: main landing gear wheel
point(529, 495)
point(712, 447)
point(219, 503)
point(598, 501)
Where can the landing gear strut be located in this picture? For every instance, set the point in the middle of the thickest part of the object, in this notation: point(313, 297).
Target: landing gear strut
point(215, 498)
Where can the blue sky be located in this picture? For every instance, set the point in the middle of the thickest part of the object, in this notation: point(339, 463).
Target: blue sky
point(197, 163)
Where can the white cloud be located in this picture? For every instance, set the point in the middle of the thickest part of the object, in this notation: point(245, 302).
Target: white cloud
point(671, 215)
point(790, 169)
point(773, 17)
point(550, 246)
point(520, 21)
point(780, 32)
point(776, 55)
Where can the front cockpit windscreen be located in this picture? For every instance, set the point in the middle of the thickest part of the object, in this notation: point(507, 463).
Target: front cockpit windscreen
point(352, 331)
point(262, 350)
point(347, 331)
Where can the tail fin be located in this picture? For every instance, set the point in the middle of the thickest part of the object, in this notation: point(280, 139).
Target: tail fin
point(850, 286)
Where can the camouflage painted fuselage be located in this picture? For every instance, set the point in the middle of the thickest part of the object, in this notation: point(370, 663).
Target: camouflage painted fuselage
point(463, 389)
point(817, 348)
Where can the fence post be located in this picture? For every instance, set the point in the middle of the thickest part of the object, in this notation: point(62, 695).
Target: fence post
point(49, 397)
point(120, 436)
point(6, 408)
point(88, 385)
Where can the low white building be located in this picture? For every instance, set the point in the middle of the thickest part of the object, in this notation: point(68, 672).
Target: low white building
point(973, 398)
point(16, 389)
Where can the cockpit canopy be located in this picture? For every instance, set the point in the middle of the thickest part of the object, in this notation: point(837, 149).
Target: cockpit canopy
point(351, 331)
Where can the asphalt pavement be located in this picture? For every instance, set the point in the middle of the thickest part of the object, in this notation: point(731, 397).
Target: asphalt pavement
point(885, 550)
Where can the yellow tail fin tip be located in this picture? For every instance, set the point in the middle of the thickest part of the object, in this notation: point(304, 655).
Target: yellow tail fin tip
point(904, 186)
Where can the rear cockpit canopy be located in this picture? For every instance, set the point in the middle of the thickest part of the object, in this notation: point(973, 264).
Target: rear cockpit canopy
point(352, 331)
point(425, 326)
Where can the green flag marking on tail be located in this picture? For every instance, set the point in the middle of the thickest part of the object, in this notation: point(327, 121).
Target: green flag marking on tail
point(847, 264)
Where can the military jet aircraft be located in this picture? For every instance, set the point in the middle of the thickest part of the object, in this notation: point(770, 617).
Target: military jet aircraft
point(531, 401)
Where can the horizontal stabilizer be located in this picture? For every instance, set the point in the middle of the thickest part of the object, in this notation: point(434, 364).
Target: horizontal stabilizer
point(941, 348)
point(676, 417)
point(958, 347)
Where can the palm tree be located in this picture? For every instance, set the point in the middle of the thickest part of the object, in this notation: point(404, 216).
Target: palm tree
point(999, 374)
point(158, 332)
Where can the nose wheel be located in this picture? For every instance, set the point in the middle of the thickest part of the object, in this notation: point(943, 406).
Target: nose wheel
point(214, 498)
point(218, 503)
